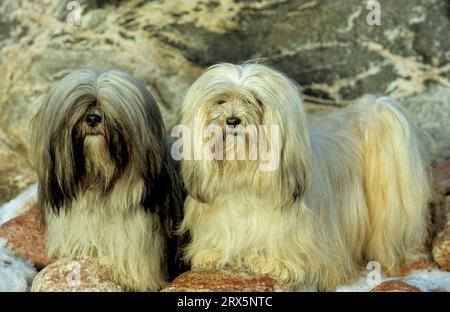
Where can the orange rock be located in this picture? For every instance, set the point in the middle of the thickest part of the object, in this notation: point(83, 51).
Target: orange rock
point(207, 280)
point(395, 286)
point(424, 262)
point(26, 237)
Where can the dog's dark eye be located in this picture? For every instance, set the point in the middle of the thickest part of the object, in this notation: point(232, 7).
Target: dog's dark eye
point(259, 102)
point(220, 102)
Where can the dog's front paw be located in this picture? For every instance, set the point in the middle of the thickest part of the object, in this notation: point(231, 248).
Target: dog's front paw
point(282, 273)
point(207, 259)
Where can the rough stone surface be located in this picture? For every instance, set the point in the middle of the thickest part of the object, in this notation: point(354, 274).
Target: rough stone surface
point(206, 280)
point(431, 112)
point(441, 247)
point(327, 46)
point(395, 286)
point(26, 238)
point(67, 275)
point(15, 172)
point(440, 205)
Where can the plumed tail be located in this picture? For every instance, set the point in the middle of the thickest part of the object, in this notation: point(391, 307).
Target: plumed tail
point(396, 182)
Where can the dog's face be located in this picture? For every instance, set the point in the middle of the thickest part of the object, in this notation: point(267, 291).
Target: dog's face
point(233, 112)
point(96, 131)
point(100, 147)
point(254, 97)
point(98, 139)
point(92, 122)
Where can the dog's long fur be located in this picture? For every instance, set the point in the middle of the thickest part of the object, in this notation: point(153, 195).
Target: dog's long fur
point(352, 187)
point(111, 191)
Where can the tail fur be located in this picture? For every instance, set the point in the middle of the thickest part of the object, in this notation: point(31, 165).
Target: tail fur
point(396, 182)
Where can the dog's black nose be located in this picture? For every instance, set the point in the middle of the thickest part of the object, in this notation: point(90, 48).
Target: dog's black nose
point(93, 120)
point(233, 121)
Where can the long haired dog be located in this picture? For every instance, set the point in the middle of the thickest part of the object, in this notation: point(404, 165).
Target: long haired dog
point(107, 187)
point(351, 187)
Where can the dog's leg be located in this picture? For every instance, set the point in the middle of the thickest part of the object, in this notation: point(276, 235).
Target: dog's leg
point(208, 259)
point(282, 271)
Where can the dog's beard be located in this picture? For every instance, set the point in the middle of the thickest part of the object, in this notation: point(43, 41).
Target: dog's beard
point(230, 148)
point(236, 145)
point(99, 167)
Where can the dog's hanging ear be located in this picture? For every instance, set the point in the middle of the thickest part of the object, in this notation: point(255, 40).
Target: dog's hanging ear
point(294, 168)
point(283, 107)
point(44, 149)
point(50, 195)
point(196, 179)
point(53, 145)
point(198, 173)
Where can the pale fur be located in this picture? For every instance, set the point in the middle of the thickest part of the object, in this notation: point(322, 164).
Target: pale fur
point(125, 241)
point(352, 187)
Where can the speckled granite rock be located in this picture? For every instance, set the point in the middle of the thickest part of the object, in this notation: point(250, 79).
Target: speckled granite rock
point(206, 280)
point(327, 46)
point(26, 238)
point(395, 286)
point(66, 275)
point(441, 247)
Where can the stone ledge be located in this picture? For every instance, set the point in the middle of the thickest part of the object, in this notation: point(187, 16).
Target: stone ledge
point(26, 237)
point(395, 286)
point(208, 280)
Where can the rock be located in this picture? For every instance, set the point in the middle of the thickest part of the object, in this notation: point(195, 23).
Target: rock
point(423, 262)
point(440, 205)
point(207, 280)
point(429, 110)
point(327, 46)
point(19, 204)
point(50, 48)
point(441, 173)
point(16, 273)
point(441, 247)
point(26, 237)
point(395, 286)
point(67, 275)
point(15, 173)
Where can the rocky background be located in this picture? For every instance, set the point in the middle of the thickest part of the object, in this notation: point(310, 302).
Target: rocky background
point(327, 46)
